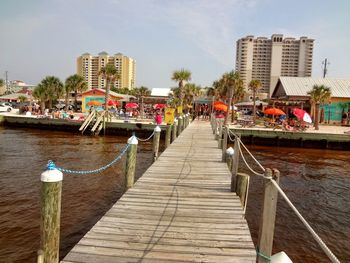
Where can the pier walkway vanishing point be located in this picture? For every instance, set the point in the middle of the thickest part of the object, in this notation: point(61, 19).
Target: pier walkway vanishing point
point(180, 210)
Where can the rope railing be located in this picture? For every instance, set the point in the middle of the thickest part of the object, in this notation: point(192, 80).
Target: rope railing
point(145, 140)
point(323, 246)
point(51, 165)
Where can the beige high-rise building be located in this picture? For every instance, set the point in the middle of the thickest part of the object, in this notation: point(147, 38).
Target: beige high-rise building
point(267, 59)
point(89, 66)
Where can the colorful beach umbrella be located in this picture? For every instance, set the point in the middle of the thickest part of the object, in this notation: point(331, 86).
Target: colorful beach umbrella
point(158, 106)
point(131, 105)
point(111, 103)
point(302, 115)
point(274, 111)
point(219, 106)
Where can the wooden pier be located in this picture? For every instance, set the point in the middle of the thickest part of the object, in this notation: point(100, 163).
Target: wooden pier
point(180, 210)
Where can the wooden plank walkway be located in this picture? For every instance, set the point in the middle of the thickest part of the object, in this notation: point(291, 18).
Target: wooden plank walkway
point(180, 210)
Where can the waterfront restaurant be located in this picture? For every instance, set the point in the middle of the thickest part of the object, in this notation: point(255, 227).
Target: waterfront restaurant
point(291, 92)
point(98, 96)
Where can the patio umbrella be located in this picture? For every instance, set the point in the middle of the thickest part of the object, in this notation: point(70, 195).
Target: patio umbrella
point(111, 103)
point(131, 105)
point(158, 106)
point(274, 111)
point(222, 107)
point(302, 115)
point(94, 103)
point(218, 103)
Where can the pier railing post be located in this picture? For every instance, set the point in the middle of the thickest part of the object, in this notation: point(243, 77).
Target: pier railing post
point(156, 139)
point(51, 191)
point(224, 143)
point(168, 135)
point(179, 126)
point(131, 161)
point(268, 216)
point(221, 126)
point(174, 131)
point(215, 126)
point(235, 163)
point(242, 186)
point(229, 158)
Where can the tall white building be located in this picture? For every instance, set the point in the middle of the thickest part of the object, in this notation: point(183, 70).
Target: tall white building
point(89, 66)
point(267, 59)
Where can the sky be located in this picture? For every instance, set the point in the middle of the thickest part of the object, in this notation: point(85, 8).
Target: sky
point(44, 37)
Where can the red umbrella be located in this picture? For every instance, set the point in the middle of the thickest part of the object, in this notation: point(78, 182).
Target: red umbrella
point(302, 115)
point(131, 105)
point(158, 106)
point(111, 103)
point(274, 111)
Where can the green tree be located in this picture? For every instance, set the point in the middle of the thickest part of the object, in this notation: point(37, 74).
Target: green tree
point(141, 93)
point(254, 86)
point(51, 89)
point(77, 84)
point(181, 76)
point(110, 74)
point(2, 82)
point(190, 92)
point(319, 95)
point(22, 98)
point(40, 94)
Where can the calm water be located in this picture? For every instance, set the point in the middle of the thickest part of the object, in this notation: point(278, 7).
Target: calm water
point(317, 182)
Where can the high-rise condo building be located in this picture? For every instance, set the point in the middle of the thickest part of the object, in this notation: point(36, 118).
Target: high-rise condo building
point(267, 59)
point(89, 66)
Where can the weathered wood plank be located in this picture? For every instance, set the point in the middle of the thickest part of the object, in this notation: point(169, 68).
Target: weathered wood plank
point(180, 210)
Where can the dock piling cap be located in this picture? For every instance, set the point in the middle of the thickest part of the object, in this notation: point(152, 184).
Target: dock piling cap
point(230, 151)
point(281, 257)
point(157, 129)
point(51, 176)
point(133, 140)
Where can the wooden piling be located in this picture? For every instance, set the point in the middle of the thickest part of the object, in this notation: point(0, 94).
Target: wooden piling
point(220, 135)
point(156, 139)
point(224, 143)
point(229, 158)
point(242, 186)
point(235, 162)
point(51, 191)
point(131, 162)
point(174, 131)
point(179, 125)
point(268, 216)
point(168, 135)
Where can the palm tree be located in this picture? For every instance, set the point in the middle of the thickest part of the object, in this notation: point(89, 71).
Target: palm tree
point(181, 76)
point(40, 94)
point(52, 89)
point(319, 95)
point(77, 84)
point(254, 86)
point(110, 74)
point(190, 92)
point(22, 98)
point(140, 93)
point(2, 82)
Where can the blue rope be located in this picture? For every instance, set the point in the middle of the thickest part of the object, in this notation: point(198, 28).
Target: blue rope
point(262, 255)
point(51, 165)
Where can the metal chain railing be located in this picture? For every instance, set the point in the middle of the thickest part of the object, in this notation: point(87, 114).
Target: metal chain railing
point(51, 165)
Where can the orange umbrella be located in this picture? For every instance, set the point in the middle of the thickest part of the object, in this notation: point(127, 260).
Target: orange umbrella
point(94, 103)
point(274, 111)
point(219, 103)
point(222, 107)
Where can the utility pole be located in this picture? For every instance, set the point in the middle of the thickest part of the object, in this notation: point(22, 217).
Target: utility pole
point(324, 67)
point(7, 84)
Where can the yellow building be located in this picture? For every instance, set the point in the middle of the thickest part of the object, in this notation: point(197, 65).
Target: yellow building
point(88, 66)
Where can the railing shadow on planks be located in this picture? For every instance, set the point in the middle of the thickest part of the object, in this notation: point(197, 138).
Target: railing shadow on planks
point(51, 186)
point(240, 185)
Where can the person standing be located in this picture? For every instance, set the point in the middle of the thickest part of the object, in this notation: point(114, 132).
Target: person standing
point(158, 118)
